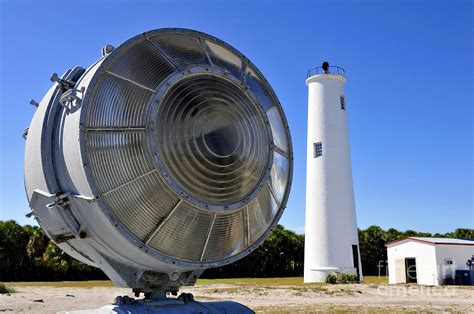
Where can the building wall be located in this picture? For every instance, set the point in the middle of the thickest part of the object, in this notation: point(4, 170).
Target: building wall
point(458, 253)
point(425, 256)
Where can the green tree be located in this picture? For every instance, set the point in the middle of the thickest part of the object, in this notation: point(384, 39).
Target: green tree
point(13, 257)
point(27, 254)
point(372, 249)
point(461, 233)
point(392, 234)
point(37, 243)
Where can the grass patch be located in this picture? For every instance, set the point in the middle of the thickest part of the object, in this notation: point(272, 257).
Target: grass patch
point(68, 284)
point(269, 282)
point(285, 281)
point(5, 289)
point(326, 308)
point(355, 308)
point(376, 279)
point(282, 281)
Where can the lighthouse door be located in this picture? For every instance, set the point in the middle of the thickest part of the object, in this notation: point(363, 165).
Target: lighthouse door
point(355, 258)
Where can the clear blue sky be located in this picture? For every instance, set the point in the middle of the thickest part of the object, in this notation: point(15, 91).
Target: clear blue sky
point(409, 89)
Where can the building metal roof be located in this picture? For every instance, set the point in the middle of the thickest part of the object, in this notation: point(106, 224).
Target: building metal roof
point(433, 241)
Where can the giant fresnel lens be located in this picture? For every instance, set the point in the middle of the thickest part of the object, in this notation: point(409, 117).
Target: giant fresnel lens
point(169, 155)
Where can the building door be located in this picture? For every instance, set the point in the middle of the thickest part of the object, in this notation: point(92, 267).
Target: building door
point(355, 258)
point(400, 273)
point(410, 269)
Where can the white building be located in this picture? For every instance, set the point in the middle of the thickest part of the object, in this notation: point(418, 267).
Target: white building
point(331, 239)
point(427, 261)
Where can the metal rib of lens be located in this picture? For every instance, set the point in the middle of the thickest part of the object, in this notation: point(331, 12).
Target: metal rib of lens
point(212, 139)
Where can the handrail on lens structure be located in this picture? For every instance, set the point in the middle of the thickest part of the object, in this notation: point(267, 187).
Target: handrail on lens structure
point(331, 70)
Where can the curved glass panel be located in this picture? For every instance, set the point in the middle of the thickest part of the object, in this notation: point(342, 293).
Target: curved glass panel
point(116, 158)
point(142, 204)
point(225, 58)
point(279, 176)
point(227, 236)
point(261, 212)
point(145, 66)
point(278, 131)
point(184, 233)
point(256, 86)
point(117, 103)
point(184, 50)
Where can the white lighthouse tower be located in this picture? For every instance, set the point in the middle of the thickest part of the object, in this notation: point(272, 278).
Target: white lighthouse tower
point(331, 239)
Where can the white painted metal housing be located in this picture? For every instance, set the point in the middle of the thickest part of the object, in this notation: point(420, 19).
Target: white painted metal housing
point(331, 239)
point(435, 259)
point(169, 155)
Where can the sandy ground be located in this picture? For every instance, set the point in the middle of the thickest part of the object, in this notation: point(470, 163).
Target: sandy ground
point(368, 298)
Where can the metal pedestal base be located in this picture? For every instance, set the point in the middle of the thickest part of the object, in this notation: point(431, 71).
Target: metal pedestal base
point(168, 306)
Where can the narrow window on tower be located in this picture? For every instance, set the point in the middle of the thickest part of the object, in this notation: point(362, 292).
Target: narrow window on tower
point(318, 149)
point(343, 102)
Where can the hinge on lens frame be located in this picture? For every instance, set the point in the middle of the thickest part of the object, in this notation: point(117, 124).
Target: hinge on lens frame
point(62, 200)
point(71, 99)
point(70, 96)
